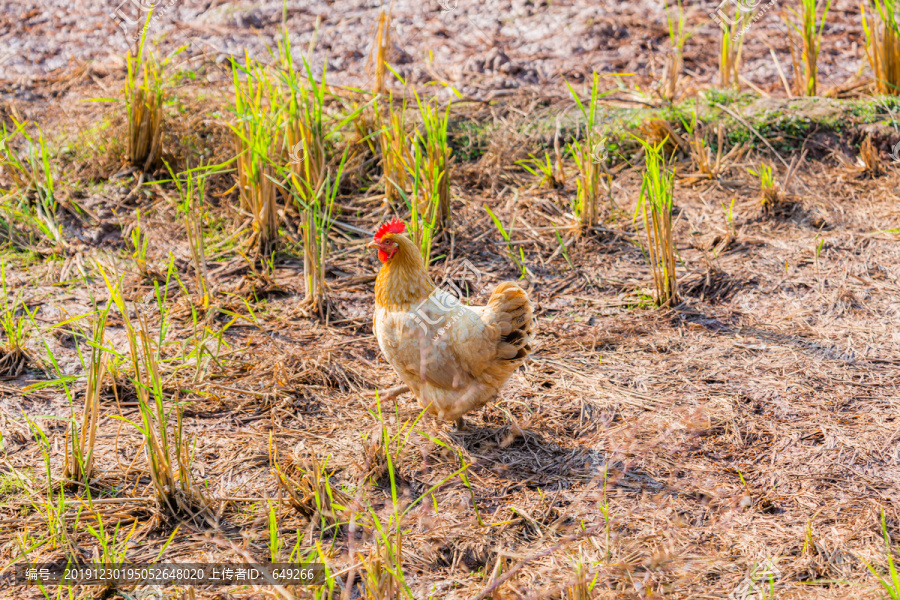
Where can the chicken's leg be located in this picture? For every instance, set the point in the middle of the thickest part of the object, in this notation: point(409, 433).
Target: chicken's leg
point(461, 424)
point(390, 393)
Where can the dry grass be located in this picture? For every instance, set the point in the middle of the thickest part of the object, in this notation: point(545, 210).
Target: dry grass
point(640, 453)
point(709, 165)
point(661, 131)
point(310, 493)
point(869, 160)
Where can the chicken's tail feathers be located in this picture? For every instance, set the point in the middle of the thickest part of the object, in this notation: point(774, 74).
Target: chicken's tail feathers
point(510, 309)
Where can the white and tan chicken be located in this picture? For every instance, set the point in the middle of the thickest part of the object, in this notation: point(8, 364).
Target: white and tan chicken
point(454, 358)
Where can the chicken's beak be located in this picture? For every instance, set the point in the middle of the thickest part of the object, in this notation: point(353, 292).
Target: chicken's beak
point(372, 244)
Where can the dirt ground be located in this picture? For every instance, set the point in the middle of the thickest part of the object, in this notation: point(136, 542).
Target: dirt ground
point(486, 49)
point(750, 432)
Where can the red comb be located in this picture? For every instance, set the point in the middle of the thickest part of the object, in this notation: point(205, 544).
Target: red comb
point(393, 226)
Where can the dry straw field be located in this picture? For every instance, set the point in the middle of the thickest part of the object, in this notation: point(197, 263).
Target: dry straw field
point(702, 208)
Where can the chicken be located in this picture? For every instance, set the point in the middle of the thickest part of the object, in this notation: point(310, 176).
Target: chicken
point(454, 358)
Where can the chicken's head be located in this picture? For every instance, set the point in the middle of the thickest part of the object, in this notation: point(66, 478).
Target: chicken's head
point(384, 239)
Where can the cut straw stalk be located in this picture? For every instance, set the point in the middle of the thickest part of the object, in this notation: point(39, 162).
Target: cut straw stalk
point(883, 43)
point(308, 177)
point(392, 135)
point(258, 197)
point(144, 103)
point(428, 166)
point(380, 48)
point(589, 155)
point(33, 179)
point(433, 166)
point(675, 61)
point(13, 355)
point(316, 221)
point(770, 194)
point(192, 191)
point(730, 55)
point(145, 129)
point(313, 185)
point(168, 457)
point(79, 464)
point(198, 254)
point(169, 465)
point(655, 207)
point(303, 118)
point(255, 138)
point(587, 194)
point(805, 59)
point(393, 142)
point(307, 155)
